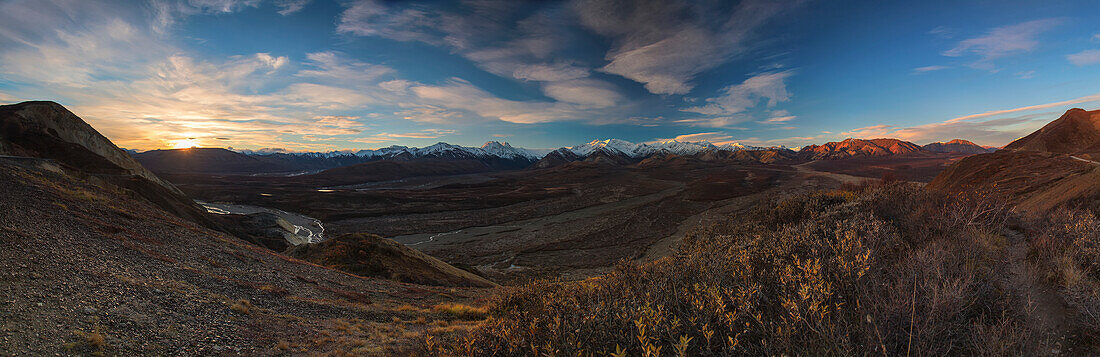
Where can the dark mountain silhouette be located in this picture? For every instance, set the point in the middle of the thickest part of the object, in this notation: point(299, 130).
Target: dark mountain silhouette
point(207, 160)
point(217, 161)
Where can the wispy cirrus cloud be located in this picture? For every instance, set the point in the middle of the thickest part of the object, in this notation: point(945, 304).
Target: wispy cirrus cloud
point(1002, 42)
point(713, 137)
point(500, 40)
point(1084, 58)
point(288, 7)
point(927, 69)
point(768, 89)
point(665, 44)
point(1007, 124)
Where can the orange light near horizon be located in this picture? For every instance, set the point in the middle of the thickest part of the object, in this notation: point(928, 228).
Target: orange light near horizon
point(184, 143)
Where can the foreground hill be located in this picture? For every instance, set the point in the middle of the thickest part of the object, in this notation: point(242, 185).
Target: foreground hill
point(90, 271)
point(888, 270)
point(48, 131)
point(1077, 132)
point(1038, 172)
point(374, 256)
point(858, 148)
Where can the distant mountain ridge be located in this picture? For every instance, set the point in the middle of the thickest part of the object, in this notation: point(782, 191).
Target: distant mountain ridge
point(858, 147)
point(493, 154)
point(661, 147)
point(959, 146)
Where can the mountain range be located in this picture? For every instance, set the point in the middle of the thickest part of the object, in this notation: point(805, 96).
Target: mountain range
point(495, 155)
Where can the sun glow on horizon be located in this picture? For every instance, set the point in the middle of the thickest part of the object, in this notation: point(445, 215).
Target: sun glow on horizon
point(184, 143)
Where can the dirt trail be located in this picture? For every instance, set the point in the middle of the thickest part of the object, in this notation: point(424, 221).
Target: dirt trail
point(1043, 305)
point(1086, 160)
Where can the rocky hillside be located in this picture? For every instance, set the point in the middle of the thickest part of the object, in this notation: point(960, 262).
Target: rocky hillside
point(89, 271)
point(958, 146)
point(48, 131)
point(104, 258)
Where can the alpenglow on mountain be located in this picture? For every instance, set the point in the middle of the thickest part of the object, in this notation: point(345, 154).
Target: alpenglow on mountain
point(507, 151)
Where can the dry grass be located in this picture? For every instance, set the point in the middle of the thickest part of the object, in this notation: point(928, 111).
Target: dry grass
point(460, 311)
point(241, 306)
point(94, 342)
point(886, 270)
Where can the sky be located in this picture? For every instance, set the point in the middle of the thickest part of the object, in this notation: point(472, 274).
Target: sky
point(321, 75)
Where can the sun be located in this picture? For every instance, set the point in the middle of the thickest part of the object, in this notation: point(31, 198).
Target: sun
point(184, 143)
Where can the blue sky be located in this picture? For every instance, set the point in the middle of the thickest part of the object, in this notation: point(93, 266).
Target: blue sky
point(324, 75)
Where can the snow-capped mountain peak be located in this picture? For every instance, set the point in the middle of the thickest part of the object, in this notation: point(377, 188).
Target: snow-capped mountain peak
point(505, 150)
point(657, 147)
point(613, 145)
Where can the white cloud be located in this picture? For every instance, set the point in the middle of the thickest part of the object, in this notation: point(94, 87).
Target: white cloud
point(942, 32)
point(273, 62)
point(549, 72)
point(780, 120)
point(1002, 42)
point(148, 92)
point(715, 122)
point(399, 86)
point(335, 67)
point(374, 18)
point(926, 69)
point(583, 92)
point(288, 7)
point(737, 98)
point(1085, 99)
point(1084, 58)
point(461, 95)
point(664, 44)
point(713, 137)
point(167, 12)
point(997, 132)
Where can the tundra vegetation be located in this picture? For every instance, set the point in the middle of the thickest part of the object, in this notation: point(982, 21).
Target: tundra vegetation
point(884, 269)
